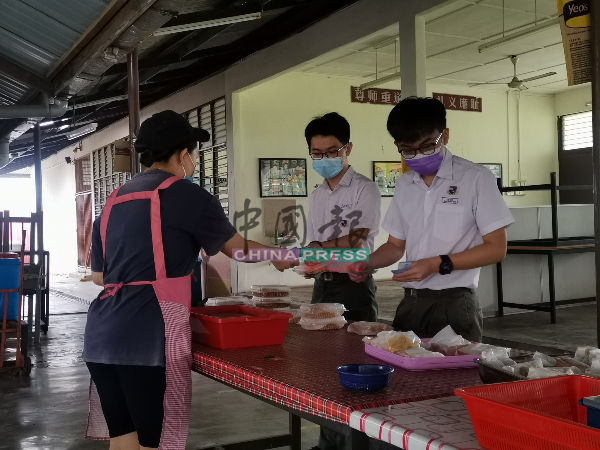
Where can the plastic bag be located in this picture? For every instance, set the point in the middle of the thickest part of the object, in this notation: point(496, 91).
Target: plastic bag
point(296, 315)
point(524, 367)
point(497, 357)
point(476, 349)
point(566, 361)
point(447, 342)
point(583, 354)
point(547, 361)
point(593, 355)
point(322, 310)
point(420, 352)
point(594, 370)
point(394, 341)
point(336, 323)
point(367, 328)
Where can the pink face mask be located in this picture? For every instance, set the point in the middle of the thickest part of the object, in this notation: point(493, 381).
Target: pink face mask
point(426, 165)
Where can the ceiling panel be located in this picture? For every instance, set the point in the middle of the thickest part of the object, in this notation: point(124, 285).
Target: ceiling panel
point(453, 35)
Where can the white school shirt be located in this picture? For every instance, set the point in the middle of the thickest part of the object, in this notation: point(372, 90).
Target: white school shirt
point(354, 203)
point(462, 205)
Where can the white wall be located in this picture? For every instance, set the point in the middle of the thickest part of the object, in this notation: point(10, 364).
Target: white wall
point(573, 100)
point(273, 116)
point(60, 216)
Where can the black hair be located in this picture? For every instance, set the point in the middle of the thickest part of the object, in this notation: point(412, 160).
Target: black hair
point(150, 155)
point(416, 117)
point(331, 124)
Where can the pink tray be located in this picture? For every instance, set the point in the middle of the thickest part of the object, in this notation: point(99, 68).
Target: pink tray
point(447, 362)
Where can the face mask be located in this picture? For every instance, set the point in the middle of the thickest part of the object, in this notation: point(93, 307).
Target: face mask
point(425, 165)
point(185, 177)
point(328, 167)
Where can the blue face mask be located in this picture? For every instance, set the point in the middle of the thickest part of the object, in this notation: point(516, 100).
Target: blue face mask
point(328, 167)
point(189, 179)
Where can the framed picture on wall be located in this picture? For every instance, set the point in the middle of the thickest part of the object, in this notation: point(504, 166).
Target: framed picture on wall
point(385, 175)
point(496, 169)
point(280, 177)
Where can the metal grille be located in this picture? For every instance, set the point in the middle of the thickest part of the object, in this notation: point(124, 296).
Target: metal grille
point(211, 171)
point(105, 180)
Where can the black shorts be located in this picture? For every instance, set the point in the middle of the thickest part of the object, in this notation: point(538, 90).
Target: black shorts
point(132, 399)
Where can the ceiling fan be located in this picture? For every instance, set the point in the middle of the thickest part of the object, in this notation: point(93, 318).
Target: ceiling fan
point(516, 83)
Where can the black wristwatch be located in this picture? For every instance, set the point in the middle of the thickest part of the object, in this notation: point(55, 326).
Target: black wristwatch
point(446, 267)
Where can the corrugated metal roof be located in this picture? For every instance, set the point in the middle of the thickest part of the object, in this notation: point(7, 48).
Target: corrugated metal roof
point(37, 33)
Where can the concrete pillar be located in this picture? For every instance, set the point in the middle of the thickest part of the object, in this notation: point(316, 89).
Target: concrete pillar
point(412, 55)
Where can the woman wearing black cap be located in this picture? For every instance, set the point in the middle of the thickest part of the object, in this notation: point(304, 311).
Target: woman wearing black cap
point(137, 342)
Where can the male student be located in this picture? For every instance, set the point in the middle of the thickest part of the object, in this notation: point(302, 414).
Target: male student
point(448, 216)
point(344, 212)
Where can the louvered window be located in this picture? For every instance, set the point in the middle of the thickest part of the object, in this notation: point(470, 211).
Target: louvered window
point(105, 180)
point(211, 171)
point(577, 131)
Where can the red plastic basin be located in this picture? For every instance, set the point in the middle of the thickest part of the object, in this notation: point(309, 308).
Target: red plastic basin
point(539, 414)
point(263, 327)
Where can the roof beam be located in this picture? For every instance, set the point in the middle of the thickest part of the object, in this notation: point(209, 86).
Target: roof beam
point(25, 76)
point(130, 12)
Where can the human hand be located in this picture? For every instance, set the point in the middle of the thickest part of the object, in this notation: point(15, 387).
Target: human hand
point(359, 271)
point(283, 265)
point(419, 270)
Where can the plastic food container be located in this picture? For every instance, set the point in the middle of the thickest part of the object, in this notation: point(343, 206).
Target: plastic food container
point(223, 301)
point(322, 310)
point(447, 362)
point(273, 290)
point(296, 314)
point(537, 414)
point(228, 327)
point(365, 377)
point(336, 323)
point(270, 302)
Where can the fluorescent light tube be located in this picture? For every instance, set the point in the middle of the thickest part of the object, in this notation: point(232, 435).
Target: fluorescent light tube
point(45, 124)
point(207, 24)
point(82, 131)
point(518, 35)
point(379, 81)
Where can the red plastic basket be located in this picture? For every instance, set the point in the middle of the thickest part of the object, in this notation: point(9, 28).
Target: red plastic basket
point(265, 327)
point(534, 414)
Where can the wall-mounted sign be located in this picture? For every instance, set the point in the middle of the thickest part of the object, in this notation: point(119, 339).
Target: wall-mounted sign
point(459, 102)
point(375, 96)
point(574, 18)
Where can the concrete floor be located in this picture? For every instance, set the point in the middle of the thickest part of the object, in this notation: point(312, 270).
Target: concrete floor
point(48, 409)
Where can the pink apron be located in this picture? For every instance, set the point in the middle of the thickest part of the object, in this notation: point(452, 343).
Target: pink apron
point(174, 296)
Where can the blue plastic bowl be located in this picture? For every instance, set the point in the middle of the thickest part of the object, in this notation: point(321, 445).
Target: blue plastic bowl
point(365, 377)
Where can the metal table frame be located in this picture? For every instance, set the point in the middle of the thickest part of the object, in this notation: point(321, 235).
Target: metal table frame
point(355, 440)
point(550, 252)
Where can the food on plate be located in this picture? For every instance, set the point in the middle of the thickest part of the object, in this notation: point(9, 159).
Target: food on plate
point(367, 328)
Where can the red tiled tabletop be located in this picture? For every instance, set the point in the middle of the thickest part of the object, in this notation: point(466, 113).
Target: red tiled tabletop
point(302, 374)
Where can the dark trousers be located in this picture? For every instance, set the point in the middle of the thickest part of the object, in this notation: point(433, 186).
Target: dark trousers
point(358, 298)
point(361, 303)
point(426, 312)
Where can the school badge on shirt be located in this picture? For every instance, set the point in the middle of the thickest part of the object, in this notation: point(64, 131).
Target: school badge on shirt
point(344, 223)
point(453, 190)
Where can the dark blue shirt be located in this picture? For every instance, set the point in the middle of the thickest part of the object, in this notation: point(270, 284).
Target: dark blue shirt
point(128, 328)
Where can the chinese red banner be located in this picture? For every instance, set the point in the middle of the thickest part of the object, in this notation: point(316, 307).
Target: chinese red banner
point(459, 102)
point(375, 96)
